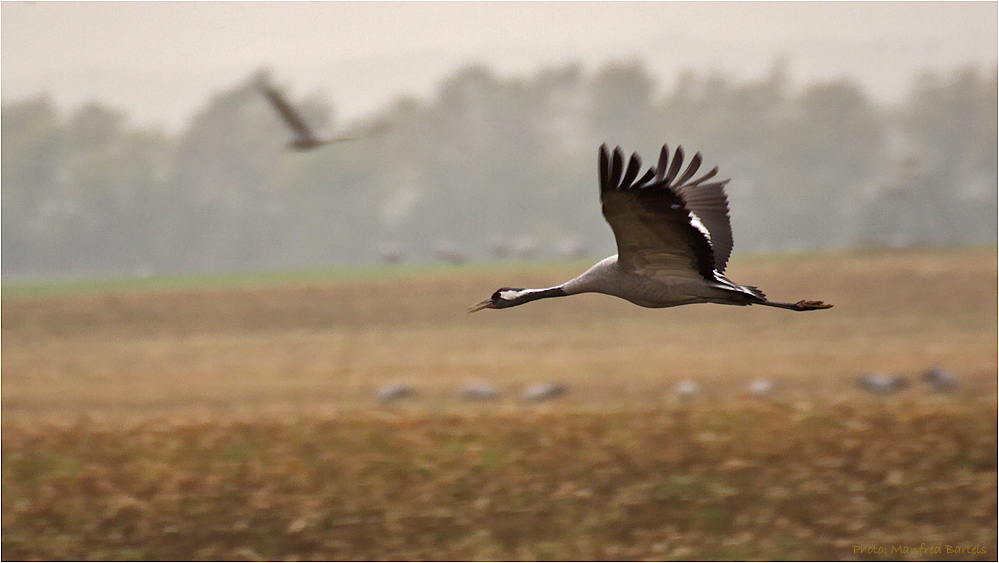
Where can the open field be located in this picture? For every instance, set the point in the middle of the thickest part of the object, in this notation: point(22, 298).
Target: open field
point(240, 421)
point(745, 481)
point(330, 345)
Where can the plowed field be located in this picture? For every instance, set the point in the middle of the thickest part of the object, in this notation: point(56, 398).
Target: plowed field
point(209, 422)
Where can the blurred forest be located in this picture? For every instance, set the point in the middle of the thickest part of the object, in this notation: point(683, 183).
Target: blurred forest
point(491, 167)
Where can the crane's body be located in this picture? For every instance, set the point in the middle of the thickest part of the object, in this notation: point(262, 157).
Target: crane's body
point(607, 276)
point(673, 237)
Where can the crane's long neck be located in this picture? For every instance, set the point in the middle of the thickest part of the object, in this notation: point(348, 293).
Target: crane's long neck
point(592, 280)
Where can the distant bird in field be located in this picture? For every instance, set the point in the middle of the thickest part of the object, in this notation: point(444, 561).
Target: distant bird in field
point(572, 248)
point(390, 253)
point(395, 392)
point(478, 392)
point(761, 388)
point(544, 392)
point(687, 389)
point(940, 380)
point(525, 247)
point(304, 137)
point(449, 252)
point(673, 241)
point(498, 248)
point(881, 384)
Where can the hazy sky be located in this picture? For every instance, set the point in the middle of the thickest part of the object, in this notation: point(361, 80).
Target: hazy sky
point(161, 61)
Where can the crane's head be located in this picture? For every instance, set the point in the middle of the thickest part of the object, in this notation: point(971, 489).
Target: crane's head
point(504, 297)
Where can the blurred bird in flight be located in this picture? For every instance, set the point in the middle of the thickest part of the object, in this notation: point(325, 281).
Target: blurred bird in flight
point(305, 139)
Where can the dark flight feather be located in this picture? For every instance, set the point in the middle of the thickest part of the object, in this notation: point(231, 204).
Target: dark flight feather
point(290, 116)
point(648, 217)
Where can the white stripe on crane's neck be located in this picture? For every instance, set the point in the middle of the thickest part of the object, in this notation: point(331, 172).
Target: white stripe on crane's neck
point(511, 294)
point(524, 295)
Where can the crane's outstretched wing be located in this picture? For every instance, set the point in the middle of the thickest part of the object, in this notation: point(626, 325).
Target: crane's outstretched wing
point(653, 219)
point(290, 117)
point(706, 200)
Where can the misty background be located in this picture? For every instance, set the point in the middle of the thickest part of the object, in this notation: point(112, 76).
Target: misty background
point(136, 141)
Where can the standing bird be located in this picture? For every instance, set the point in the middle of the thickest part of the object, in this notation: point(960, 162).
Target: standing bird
point(881, 384)
point(479, 392)
point(673, 241)
point(940, 380)
point(761, 388)
point(687, 389)
point(304, 138)
point(395, 392)
point(544, 392)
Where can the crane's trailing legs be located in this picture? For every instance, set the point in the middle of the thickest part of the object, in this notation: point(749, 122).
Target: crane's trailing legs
point(802, 305)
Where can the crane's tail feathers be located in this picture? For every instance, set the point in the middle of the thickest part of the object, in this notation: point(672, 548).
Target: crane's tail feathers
point(802, 305)
point(754, 291)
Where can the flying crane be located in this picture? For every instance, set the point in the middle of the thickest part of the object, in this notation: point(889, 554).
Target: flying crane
point(673, 240)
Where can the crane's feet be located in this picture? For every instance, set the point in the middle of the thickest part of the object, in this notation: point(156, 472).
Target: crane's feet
point(811, 305)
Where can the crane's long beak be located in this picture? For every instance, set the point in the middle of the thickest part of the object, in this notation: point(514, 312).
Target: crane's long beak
point(487, 304)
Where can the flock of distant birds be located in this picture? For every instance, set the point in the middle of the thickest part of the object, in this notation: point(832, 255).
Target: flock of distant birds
point(522, 248)
point(937, 380)
point(477, 392)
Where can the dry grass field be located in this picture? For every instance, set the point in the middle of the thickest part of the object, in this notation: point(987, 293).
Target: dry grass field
point(240, 422)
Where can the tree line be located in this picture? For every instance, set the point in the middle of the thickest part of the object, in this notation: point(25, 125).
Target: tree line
point(491, 163)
